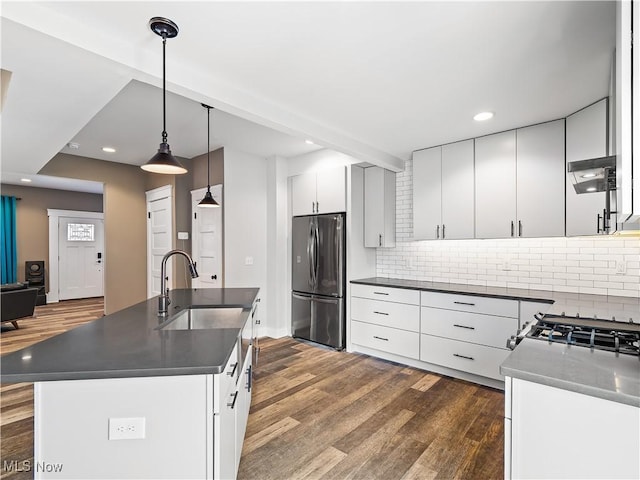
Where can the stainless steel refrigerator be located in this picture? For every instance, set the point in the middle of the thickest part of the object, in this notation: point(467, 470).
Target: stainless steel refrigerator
point(318, 279)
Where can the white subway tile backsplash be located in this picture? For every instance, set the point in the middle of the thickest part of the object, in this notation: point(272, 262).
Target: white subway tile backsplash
point(573, 264)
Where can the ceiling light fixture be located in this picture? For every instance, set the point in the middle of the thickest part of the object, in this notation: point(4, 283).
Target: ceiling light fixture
point(25, 180)
point(588, 175)
point(591, 189)
point(164, 161)
point(482, 116)
point(208, 201)
point(109, 149)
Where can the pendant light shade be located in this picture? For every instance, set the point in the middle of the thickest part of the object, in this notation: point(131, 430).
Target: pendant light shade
point(208, 201)
point(164, 161)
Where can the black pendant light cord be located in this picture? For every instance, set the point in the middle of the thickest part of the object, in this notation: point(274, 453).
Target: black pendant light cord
point(164, 90)
point(208, 149)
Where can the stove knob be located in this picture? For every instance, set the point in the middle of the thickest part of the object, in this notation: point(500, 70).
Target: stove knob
point(511, 343)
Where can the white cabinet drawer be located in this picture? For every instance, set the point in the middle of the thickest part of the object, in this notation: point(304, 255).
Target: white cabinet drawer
point(398, 295)
point(471, 303)
point(391, 340)
point(388, 314)
point(468, 357)
point(468, 327)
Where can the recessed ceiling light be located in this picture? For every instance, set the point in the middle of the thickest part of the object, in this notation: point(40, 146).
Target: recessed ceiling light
point(482, 116)
point(109, 149)
point(25, 180)
point(591, 189)
point(309, 142)
point(588, 175)
point(73, 145)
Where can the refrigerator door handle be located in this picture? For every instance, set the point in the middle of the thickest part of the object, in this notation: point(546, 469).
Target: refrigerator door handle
point(310, 256)
point(313, 298)
point(316, 252)
point(300, 296)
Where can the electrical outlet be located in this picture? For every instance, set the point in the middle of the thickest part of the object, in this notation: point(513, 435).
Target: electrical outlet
point(183, 235)
point(621, 267)
point(248, 261)
point(126, 428)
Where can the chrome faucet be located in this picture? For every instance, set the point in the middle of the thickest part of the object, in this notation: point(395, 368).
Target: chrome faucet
point(163, 299)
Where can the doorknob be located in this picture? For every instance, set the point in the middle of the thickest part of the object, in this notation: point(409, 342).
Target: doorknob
point(214, 277)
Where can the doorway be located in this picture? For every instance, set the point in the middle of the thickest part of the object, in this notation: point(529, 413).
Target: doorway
point(206, 239)
point(159, 236)
point(76, 255)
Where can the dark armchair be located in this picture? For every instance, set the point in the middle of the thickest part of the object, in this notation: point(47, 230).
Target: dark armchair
point(17, 301)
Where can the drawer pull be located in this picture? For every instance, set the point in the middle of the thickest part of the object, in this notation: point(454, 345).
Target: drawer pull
point(380, 293)
point(463, 356)
point(380, 338)
point(232, 403)
point(465, 303)
point(380, 313)
point(233, 372)
point(464, 326)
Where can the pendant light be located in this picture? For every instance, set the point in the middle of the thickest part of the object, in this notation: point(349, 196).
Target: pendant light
point(208, 201)
point(164, 161)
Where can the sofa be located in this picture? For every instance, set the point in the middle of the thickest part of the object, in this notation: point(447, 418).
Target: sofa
point(17, 301)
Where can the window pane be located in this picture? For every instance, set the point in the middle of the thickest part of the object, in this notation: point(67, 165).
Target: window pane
point(80, 232)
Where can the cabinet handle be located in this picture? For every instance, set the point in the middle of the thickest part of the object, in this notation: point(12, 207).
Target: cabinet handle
point(465, 303)
point(598, 230)
point(214, 277)
point(249, 379)
point(438, 232)
point(519, 228)
point(463, 356)
point(232, 403)
point(380, 240)
point(443, 231)
point(464, 326)
point(232, 372)
point(380, 338)
point(380, 293)
point(512, 231)
point(381, 313)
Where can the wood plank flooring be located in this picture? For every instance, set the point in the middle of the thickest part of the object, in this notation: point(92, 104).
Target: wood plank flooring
point(16, 399)
point(316, 413)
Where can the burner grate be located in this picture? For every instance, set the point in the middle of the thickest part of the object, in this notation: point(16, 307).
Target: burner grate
point(621, 341)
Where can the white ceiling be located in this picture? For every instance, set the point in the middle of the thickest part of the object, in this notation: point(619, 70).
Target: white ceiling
point(375, 80)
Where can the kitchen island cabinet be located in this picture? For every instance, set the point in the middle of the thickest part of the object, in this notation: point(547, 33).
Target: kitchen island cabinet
point(132, 400)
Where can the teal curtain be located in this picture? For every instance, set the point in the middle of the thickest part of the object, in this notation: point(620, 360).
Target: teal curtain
point(8, 250)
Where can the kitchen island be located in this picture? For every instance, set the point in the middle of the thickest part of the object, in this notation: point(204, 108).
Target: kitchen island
point(123, 397)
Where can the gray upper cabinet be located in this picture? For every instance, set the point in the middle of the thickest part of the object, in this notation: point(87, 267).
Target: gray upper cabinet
point(586, 138)
point(379, 207)
point(540, 178)
point(495, 185)
point(457, 190)
point(427, 193)
point(443, 192)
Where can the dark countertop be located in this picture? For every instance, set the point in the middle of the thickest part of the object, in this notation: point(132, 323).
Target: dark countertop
point(605, 307)
point(597, 373)
point(127, 343)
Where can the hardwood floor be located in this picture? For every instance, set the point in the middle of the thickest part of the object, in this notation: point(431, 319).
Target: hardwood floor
point(316, 413)
point(16, 399)
point(321, 414)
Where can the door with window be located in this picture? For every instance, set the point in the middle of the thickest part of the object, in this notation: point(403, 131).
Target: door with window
point(81, 257)
point(206, 239)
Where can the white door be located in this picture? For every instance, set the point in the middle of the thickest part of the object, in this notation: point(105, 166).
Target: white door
point(206, 239)
point(80, 257)
point(159, 236)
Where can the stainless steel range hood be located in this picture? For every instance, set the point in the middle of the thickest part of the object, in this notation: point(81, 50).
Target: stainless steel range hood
point(593, 174)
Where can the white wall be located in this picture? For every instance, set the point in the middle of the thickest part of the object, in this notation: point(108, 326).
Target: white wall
point(245, 223)
point(578, 264)
point(278, 275)
point(318, 160)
